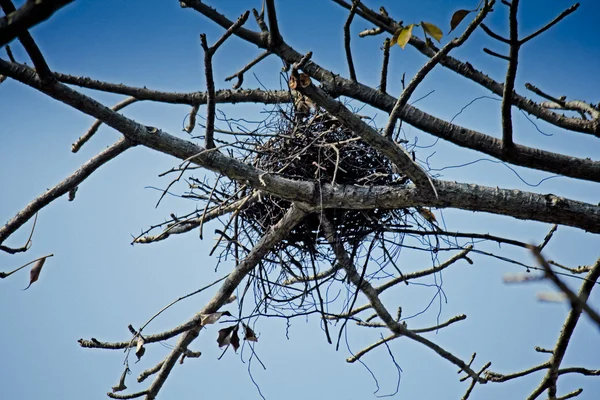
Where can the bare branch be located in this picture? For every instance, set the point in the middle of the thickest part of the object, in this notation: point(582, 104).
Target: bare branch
point(429, 65)
point(30, 47)
point(75, 179)
point(273, 236)
point(30, 14)
point(576, 301)
point(384, 66)
point(240, 74)
point(96, 125)
point(351, 70)
point(550, 24)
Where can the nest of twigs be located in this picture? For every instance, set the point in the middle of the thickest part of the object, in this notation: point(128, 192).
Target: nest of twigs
point(318, 147)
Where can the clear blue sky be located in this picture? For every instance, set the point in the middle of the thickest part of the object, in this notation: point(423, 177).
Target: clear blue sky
point(97, 283)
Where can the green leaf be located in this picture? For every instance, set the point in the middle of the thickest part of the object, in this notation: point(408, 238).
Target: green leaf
point(404, 35)
point(432, 30)
point(457, 18)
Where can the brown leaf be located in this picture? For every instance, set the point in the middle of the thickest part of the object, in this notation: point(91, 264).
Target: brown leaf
point(249, 334)
point(34, 274)
point(427, 214)
point(235, 339)
point(224, 338)
point(139, 348)
point(457, 18)
point(121, 385)
point(207, 319)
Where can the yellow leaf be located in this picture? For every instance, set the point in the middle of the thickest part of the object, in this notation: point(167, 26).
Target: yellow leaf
point(432, 30)
point(404, 35)
point(457, 18)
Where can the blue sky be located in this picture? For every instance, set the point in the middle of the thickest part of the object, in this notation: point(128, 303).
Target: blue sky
point(97, 283)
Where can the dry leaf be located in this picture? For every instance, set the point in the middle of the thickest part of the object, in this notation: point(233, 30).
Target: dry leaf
point(457, 18)
point(34, 274)
point(427, 214)
point(249, 334)
point(207, 319)
point(224, 338)
point(551, 297)
point(432, 30)
point(121, 385)
point(235, 339)
point(139, 348)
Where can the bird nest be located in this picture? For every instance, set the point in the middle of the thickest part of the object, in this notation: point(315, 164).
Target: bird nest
point(317, 147)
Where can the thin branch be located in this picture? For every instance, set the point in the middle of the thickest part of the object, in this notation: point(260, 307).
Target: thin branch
point(30, 14)
point(429, 65)
point(127, 396)
point(351, 70)
point(73, 180)
point(466, 70)
point(373, 297)
point(493, 53)
point(419, 274)
point(30, 47)
point(509, 82)
point(272, 237)
point(240, 74)
point(384, 66)
point(96, 125)
point(576, 301)
point(494, 35)
point(7, 274)
point(550, 24)
point(27, 244)
point(549, 381)
point(210, 83)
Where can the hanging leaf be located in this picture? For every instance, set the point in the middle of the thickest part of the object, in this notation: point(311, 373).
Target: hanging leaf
point(432, 30)
point(404, 35)
point(457, 18)
point(427, 214)
point(34, 274)
point(207, 319)
point(121, 385)
point(139, 348)
point(224, 338)
point(235, 339)
point(249, 334)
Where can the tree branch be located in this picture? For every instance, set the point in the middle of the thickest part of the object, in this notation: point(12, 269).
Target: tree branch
point(63, 187)
point(30, 14)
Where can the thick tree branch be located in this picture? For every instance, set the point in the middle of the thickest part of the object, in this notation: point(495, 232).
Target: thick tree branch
point(523, 205)
point(385, 146)
point(519, 155)
point(30, 47)
point(30, 14)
